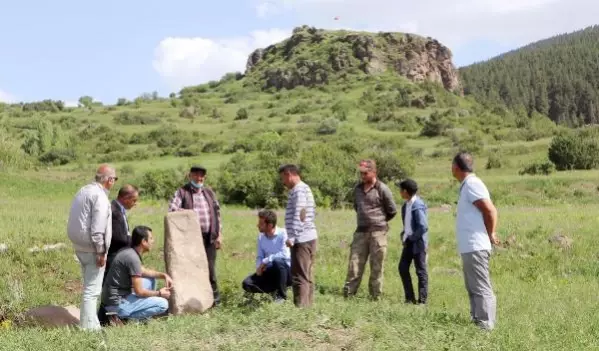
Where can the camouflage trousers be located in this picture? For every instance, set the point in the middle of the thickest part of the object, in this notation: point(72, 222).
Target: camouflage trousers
point(365, 244)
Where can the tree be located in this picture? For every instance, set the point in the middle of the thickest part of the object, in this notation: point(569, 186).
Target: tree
point(86, 101)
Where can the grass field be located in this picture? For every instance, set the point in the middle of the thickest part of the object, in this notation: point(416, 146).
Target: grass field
point(546, 295)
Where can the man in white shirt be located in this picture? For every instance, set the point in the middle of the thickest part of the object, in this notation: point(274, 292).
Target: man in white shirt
point(475, 230)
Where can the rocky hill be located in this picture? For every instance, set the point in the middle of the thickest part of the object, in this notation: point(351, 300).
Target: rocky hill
point(312, 57)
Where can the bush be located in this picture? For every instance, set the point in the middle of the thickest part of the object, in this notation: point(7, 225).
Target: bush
point(328, 166)
point(540, 167)
point(328, 126)
point(495, 161)
point(58, 157)
point(575, 150)
point(161, 184)
point(242, 113)
point(126, 118)
point(436, 125)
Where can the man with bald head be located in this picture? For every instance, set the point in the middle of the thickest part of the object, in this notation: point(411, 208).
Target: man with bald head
point(90, 230)
point(475, 231)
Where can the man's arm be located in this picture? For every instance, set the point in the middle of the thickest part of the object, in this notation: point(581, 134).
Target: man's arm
point(148, 273)
point(259, 253)
point(421, 227)
point(292, 217)
point(99, 223)
point(282, 251)
point(389, 203)
point(175, 203)
point(489, 212)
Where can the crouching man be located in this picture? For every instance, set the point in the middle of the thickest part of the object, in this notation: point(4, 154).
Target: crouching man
point(129, 291)
point(273, 259)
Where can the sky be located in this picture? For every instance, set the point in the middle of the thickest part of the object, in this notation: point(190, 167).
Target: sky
point(65, 49)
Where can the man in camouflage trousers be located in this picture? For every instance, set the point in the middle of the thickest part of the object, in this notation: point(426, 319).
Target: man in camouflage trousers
point(375, 207)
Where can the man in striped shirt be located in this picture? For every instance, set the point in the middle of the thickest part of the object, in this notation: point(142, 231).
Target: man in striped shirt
point(301, 233)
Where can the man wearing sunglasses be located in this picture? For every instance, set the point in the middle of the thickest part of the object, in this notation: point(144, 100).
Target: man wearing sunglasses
point(90, 230)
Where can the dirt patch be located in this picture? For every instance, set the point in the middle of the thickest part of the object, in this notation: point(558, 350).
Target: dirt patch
point(73, 287)
point(241, 256)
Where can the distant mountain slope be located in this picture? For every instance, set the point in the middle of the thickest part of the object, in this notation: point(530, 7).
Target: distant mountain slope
point(558, 77)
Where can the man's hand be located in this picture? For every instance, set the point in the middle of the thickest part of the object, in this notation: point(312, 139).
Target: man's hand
point(219, 241)
point(100, 260)
point(289, 243)
point(168, 280)
point(260, 269)
point(165, 292)
point(494, 239)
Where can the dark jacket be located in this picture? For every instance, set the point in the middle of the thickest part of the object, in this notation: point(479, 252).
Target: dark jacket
point(186, 194)
point(120, 236)
point(418, 241)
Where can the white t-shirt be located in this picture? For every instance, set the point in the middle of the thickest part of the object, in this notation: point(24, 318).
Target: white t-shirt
point(471, 232)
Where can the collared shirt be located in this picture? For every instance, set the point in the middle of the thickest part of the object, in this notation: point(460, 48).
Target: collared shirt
point(270, 249)
point(200, 206)
point(471, 232)
point(408, 218)
point(300, 213)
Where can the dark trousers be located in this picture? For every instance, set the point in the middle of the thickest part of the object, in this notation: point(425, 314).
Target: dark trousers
point(109, 259)
point(211, 257)
point(407, 256)
point(302, 273)
point(275, 279)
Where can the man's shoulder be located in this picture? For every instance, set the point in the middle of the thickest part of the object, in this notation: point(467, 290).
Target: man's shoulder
point(474, 182)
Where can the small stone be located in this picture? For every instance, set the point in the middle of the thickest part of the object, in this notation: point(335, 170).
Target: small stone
point(3, 248)
point(562, 241)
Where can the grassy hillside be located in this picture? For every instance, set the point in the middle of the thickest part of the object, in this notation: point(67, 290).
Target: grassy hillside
point(405, 120)
point(557, 77)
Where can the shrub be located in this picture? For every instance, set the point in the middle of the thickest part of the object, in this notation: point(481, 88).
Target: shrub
point(161, 184)
point(328, 126)
point(436, 125)
point(242, 113)
point(495, 161)
point(540, 167)
point(126, 118)
point(575, 150)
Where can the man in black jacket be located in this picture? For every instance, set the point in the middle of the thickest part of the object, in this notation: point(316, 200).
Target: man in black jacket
point(121, 238)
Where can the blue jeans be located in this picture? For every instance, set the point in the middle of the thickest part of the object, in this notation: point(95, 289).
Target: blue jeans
point(92, 287)
point(135, 307)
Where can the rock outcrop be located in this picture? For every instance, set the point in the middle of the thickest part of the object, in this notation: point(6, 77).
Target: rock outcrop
point(314, 57)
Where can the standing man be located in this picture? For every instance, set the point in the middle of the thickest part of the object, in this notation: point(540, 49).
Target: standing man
point(200, 198)
point(121, 237)
point(273, 260)
point(475, 231)
point(415, 242)
point(375, 207)
point(301, 233)
point(89, 229)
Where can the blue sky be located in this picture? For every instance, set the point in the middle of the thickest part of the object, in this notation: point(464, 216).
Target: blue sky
point(64, 49)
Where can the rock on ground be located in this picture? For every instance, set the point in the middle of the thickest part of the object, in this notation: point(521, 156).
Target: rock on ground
point(50, 316)
point(562, 241)
point(186, 263)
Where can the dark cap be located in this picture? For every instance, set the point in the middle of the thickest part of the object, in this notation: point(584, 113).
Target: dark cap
point(198, 169)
